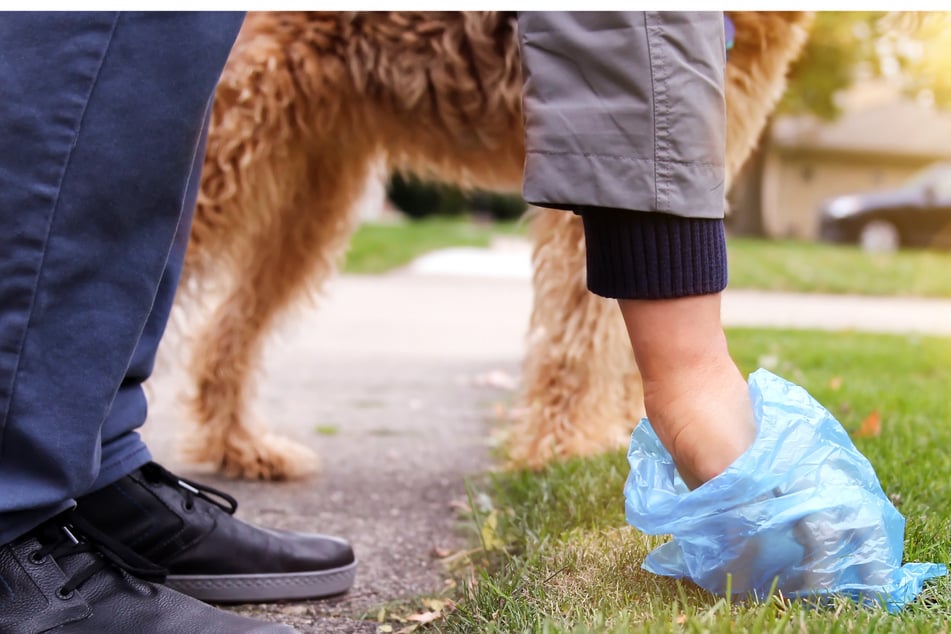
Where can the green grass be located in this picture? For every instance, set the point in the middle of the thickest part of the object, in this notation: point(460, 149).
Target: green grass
point(566, 562)
point(377, 248)
point(826, 268)
point(756, 264)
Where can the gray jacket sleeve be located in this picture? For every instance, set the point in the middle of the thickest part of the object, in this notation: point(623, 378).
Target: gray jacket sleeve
point(625, 110)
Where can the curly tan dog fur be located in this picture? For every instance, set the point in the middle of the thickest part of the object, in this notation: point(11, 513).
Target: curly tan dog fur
point(306, 104)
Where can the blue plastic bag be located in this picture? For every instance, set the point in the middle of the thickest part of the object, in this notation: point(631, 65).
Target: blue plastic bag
point(801, 506)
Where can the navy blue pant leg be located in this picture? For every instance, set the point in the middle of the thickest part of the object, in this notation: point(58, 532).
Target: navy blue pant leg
point(101, 120)
point(122, 449)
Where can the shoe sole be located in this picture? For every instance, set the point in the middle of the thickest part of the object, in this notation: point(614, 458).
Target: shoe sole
point(265, 587)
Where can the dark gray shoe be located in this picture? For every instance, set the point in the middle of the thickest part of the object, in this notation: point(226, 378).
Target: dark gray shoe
point(190, 530)
point(60, 577)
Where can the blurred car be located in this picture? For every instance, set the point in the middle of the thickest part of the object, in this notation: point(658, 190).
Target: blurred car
point(915, 214)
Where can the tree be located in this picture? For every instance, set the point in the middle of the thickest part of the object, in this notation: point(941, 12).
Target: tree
point(840, 47)
point(913, 50)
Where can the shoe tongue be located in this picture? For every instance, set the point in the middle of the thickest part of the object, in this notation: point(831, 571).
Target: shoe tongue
point(73, 562)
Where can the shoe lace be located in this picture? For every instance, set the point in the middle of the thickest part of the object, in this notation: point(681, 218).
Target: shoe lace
point(70, 535)
point(191, 489)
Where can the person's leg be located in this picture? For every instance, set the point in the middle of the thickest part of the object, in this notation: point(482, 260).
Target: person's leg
point(122, 448)
point(695, 397)
point(625, 124)
point(101, 120)
point(207, 552)
point(99, 127)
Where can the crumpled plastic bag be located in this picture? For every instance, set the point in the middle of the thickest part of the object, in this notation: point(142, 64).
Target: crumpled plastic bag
point(801, 506)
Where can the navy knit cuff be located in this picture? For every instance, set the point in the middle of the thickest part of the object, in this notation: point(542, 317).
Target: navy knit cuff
point(653, 255)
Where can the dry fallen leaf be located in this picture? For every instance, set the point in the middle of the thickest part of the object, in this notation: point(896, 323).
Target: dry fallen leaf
point(870, 427)
point(439, 605)
point(437, 609)
point(490, 537)
point(460, 506)
point(384, 629)
point(424, 617)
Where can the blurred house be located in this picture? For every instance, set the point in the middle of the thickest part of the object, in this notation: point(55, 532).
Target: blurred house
point(878, 142)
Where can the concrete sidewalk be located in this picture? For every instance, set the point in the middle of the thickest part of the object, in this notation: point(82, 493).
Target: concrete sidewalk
point(837, 312)
point(509, 259)
point(383, 381)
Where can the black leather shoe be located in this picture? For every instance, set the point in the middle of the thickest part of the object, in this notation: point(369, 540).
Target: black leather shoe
point(64, 577)
point(190, 530)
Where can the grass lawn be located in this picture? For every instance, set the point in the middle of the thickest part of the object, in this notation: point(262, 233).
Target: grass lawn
point(759, 264)
point(561, 559)
point(827, 268)
point(377, 248)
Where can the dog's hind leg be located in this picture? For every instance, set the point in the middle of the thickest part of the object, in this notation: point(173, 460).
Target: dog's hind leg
point(582, 388)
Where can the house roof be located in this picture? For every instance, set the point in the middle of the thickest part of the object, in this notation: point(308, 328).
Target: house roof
point(899, 127)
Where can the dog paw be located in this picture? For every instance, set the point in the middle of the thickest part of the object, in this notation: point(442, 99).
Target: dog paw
point(267, 457)
point(241, 454)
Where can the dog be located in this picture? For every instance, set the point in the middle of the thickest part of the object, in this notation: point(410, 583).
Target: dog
point(306, 106)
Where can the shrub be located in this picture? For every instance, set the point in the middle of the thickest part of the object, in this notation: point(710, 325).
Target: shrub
point(418, 199)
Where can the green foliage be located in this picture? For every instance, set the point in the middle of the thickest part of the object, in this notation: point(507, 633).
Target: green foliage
point(840, 43)
point(377, 248)
point(419, 199)
point(927, 58)
point(914, 50)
